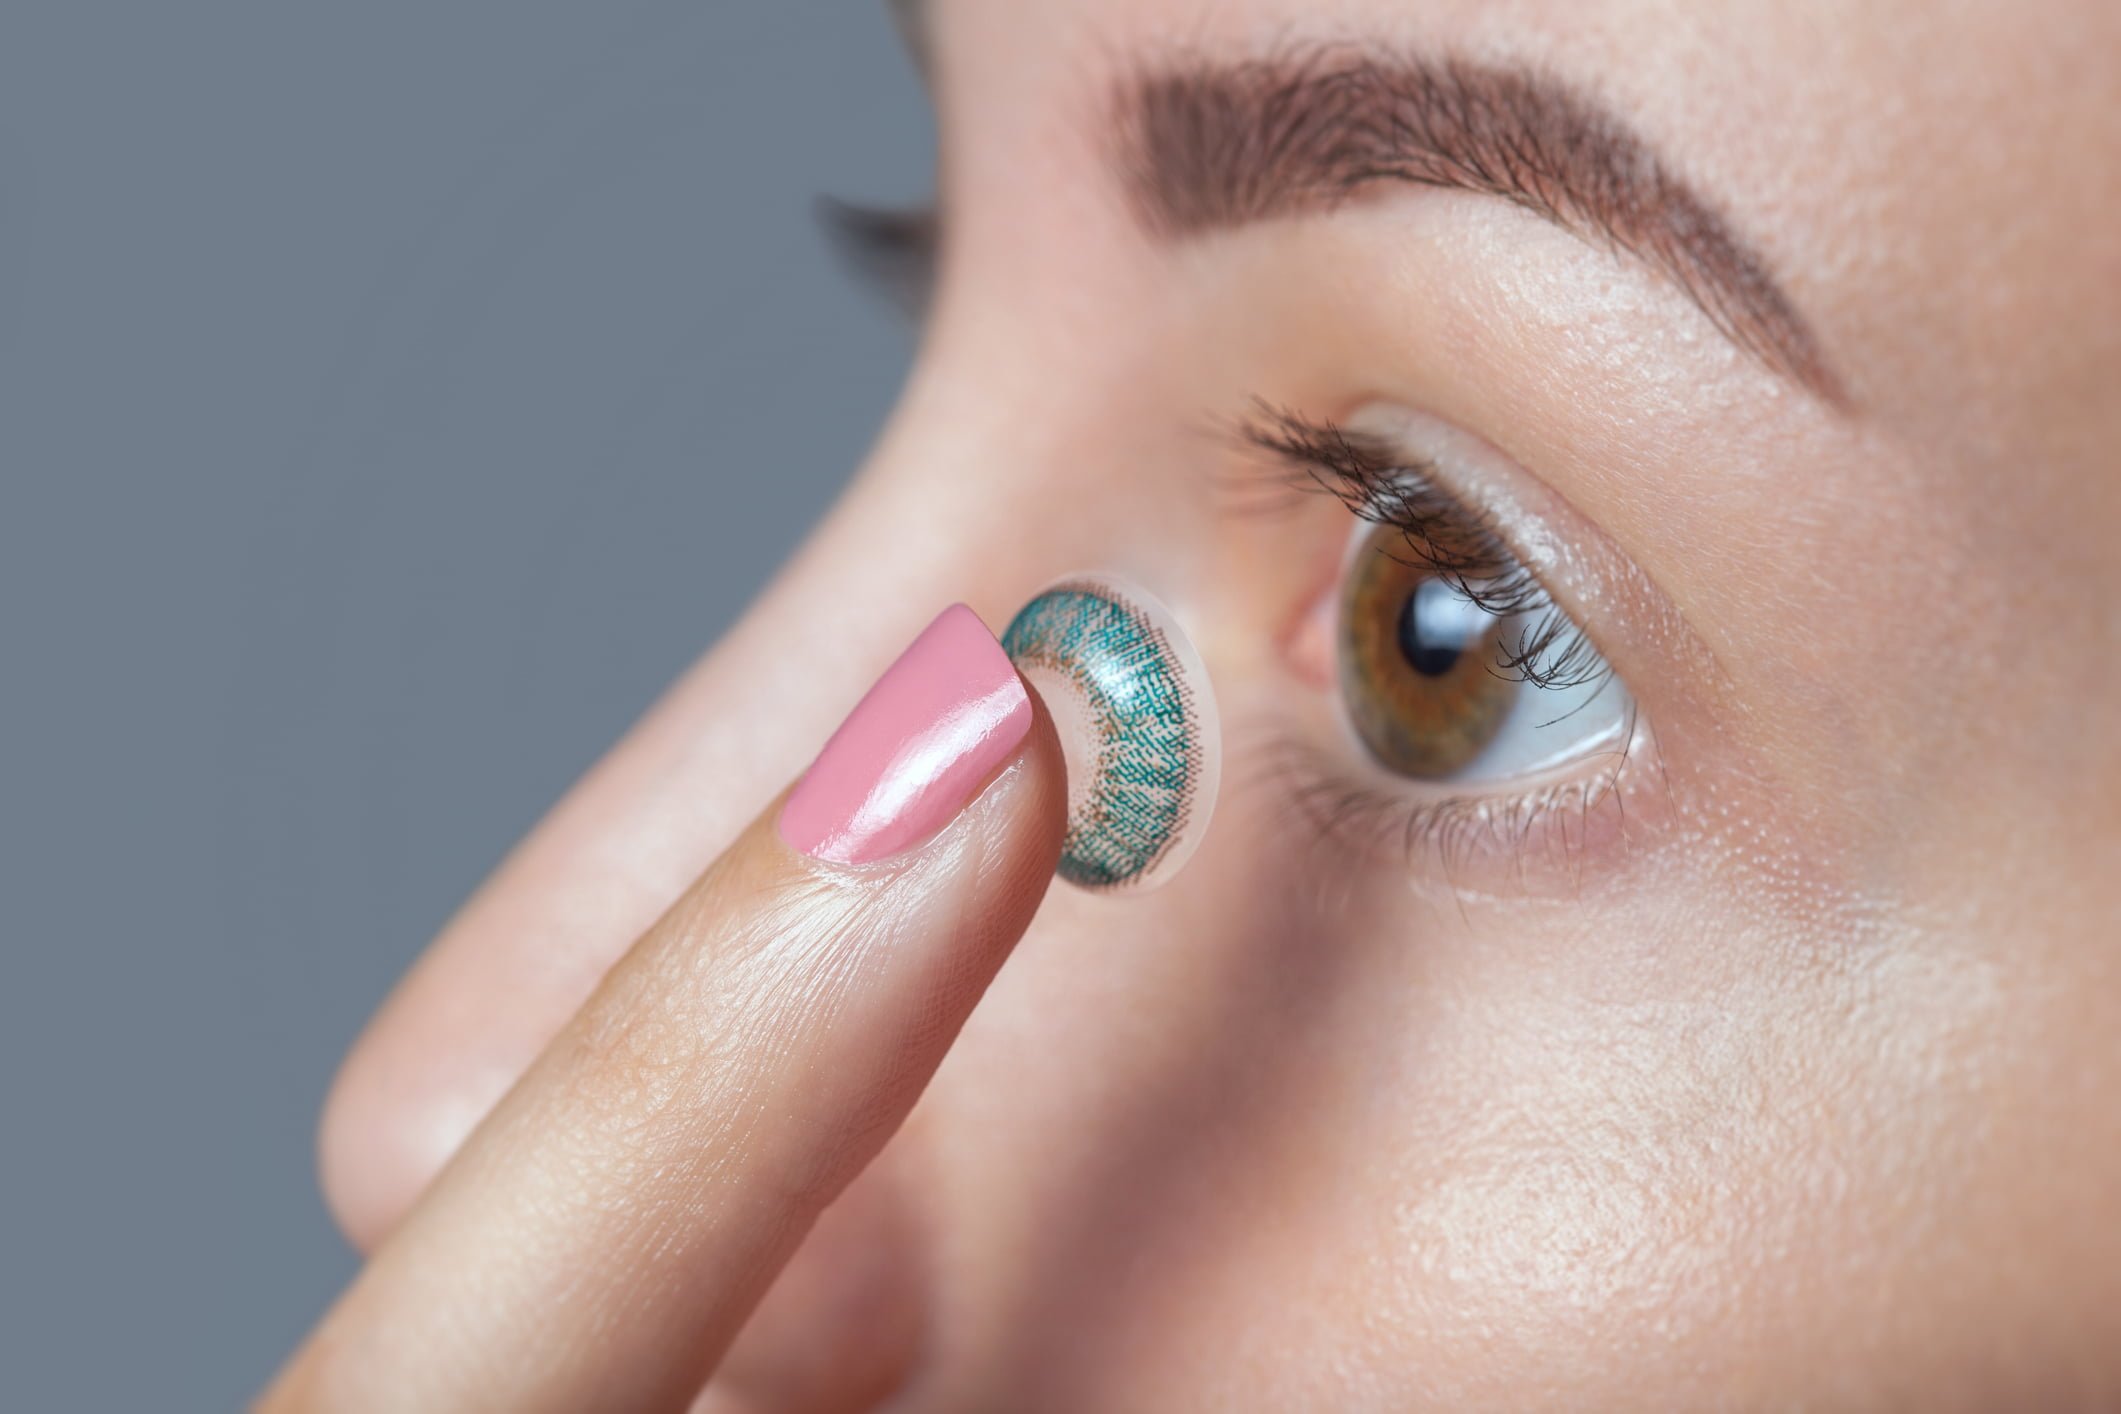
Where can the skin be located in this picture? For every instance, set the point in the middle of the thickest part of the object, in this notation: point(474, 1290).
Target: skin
point(1782, 1077)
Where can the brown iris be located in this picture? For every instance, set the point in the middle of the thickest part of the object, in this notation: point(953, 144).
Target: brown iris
point(1418, 662)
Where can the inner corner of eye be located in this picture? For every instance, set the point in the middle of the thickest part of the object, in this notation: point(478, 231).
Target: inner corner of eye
point(1308, 643)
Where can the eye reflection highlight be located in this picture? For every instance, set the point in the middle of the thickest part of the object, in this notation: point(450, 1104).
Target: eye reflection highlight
point(1417, 663)
point(1446, 677)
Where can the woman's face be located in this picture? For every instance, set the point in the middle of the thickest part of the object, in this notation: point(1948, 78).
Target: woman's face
point(1702, 988)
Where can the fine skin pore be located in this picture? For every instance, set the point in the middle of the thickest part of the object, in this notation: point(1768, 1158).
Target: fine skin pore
point(1775, 1070)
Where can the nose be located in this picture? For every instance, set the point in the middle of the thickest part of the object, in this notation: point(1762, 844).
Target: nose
point(939, 513)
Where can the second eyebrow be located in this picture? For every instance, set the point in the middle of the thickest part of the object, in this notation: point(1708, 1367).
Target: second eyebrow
point(1214, 145)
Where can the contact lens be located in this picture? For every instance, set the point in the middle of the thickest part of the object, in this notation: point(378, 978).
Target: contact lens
point(1137, 723)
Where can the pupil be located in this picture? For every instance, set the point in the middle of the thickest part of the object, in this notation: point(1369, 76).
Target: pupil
point(1436, 626)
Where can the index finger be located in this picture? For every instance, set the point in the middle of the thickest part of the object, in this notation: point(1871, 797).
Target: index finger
point(527, 948)
point(604, 1233)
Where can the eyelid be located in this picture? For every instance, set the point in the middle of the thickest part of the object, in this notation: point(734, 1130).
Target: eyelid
point(1444, 533)
point(1547, 827)
point(1553, 836)
point(1604, 590)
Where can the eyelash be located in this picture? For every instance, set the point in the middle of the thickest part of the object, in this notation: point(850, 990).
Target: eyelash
point(1443, 537)
point(1454, 830)
point(891, 250)
point(1460, 546)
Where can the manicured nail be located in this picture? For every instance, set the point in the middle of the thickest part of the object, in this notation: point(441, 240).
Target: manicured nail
point(913, 752)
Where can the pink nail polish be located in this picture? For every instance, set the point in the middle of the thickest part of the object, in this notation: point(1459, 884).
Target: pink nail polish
point(913, 751)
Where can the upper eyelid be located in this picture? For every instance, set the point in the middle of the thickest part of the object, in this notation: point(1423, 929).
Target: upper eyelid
point(1364, 475)
point(1380, 485)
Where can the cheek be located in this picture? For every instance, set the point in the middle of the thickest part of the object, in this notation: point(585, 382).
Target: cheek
point(1653, 1155)
point(1661, 1150)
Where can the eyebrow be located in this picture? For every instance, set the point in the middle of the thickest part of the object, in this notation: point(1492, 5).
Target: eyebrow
point(910, 19)
point(1206, 146)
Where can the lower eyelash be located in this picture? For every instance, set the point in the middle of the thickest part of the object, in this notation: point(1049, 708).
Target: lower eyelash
point(1463, 834)
point(1469, 834)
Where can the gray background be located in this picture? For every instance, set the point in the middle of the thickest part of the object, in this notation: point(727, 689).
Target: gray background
point(393, 397)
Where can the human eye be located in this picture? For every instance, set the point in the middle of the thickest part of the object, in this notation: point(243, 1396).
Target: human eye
point(1476, 702)
point(890, 250)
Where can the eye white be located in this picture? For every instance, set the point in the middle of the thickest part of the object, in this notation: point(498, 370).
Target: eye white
point(1550, 726)
point(1545, 727)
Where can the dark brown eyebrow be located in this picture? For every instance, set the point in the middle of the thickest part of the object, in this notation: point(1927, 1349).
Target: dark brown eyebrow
point(910, 19)
point(1212, 145)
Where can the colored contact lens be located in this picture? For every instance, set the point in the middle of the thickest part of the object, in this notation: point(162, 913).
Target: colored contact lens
point(1137, 724)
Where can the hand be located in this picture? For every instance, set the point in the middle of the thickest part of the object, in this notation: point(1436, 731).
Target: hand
point(603, 1234)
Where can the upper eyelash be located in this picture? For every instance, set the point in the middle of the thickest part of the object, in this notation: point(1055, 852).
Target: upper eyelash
point(891, 249)
point(1454, 542)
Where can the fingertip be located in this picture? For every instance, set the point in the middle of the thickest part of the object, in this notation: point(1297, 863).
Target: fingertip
point(1045, 767)
point(370, 1162)
point(397, 1109)
point(347, 1174)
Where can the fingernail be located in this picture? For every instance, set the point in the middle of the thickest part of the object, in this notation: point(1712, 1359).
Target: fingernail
point(913, 752)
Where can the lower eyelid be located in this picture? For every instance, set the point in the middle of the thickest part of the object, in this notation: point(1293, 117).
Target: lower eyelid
point(1541, 835)
point(1551, 831)
point(1553, 837)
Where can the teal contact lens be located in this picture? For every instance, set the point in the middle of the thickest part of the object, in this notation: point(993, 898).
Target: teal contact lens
point(1136, 720)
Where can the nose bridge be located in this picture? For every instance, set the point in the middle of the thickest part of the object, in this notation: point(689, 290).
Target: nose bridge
point(977, 491)
point(998, 471)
